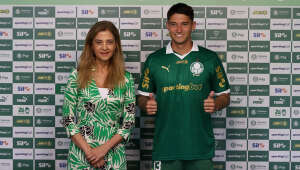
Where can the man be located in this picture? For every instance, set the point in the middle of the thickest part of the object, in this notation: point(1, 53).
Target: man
point(189, 83)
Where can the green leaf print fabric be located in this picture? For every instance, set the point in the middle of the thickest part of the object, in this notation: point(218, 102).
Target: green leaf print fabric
point(98, 119)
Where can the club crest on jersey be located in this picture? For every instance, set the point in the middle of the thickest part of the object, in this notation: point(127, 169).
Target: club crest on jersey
point(196, 68)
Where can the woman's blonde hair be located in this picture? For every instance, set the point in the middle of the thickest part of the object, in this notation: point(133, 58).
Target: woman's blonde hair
point(87, 62)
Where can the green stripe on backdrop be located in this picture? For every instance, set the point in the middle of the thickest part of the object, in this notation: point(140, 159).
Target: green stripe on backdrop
point(154, 2)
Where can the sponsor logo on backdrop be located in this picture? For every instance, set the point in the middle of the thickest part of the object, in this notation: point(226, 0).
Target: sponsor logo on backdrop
point(216, 23)
point(60, 164)
point(59, 100)
point(5, 11)
point(259, 101)
point(6, 143)
point(6, 55)
point(23, 154)
point(133, 67)
point(44, 22)
point(45, 45)
point(109, 12)
point(6, 110)
point(279, 134)
point(236, 122)
point(236, 156)
point(86, 12)
point(6, 99)
point(44, 66)
point(296, 68)
point(5, 34)
point(151, 12)
point(259, 123)
point(22, 110)
point(45, 121)
point(133, 34)
point(44, 110)
point(43, 12)
point(279, 145)
point(62, 143)
point(6, 121)
point(6, 77)
point(6, 164)
point(219, 156)
point(279, 112)
point(65, 34)
point(23, 23)
point(275, 156)
point(130, 45)
point(236, 166)
point(259, 12)
point(151, 23)
point(130, 23)
point(65, 56)
point(219, 133)
point(295, 133)
point(23, 44)
point(259, 35)
point(241, 12)
point(45, 154)
point(65, 11)
point(216, 45)
point(23, 132)
point(6, 131)
point(280, 46)
point(44, 143)
point(237, 45)
point(236, 145)
point(151, 35)
point(258, 90)
point(238, 101)
point(23, 143)
point(44, 164)
point(237, 35)
point(23, 67)
point(279, 90)
point(258, 145)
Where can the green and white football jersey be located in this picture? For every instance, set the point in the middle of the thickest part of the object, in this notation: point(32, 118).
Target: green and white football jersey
point(183, 131)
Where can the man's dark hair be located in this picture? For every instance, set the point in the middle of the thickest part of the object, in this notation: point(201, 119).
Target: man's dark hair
point(181, 8)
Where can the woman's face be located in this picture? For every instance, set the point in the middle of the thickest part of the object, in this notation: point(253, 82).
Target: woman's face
point(104, 46)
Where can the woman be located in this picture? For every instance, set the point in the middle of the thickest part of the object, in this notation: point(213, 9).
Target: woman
point(98, 110)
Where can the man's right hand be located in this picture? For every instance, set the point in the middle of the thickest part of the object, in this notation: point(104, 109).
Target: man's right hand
point(151, 105)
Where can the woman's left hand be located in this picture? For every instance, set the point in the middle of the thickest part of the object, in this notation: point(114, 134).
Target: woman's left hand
point(99, 164)
point(96, 154)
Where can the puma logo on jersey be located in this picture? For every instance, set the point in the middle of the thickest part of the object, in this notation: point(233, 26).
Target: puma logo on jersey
point(166, 68)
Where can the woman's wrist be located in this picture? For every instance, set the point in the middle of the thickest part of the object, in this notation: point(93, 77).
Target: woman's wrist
point(106, 147)
point(87, 149)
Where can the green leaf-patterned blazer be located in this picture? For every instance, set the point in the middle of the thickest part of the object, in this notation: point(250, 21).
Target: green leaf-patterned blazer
point(98, 119)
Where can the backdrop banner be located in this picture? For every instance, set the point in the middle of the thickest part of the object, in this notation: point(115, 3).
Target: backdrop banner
point(257, 41)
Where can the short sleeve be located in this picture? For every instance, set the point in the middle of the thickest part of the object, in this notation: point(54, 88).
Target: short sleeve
point(146, 81)
point(219, 81)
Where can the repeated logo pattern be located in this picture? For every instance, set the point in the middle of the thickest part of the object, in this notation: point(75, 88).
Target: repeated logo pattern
point(259, 47)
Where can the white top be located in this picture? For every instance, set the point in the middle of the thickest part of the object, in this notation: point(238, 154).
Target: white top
point(103, 92)
point(169, 50)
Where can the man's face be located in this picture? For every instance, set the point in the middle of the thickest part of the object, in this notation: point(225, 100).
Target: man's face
point(180, 27)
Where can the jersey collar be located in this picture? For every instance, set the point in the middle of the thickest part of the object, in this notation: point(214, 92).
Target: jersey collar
point(169, 50)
